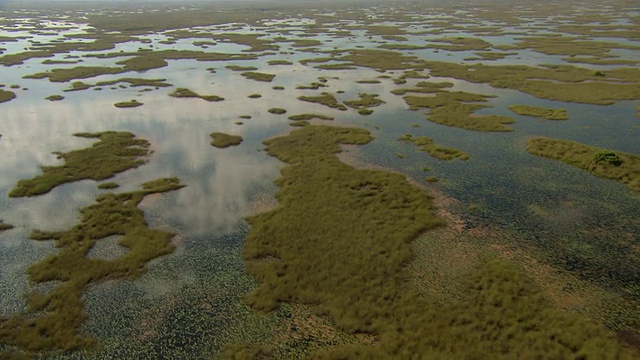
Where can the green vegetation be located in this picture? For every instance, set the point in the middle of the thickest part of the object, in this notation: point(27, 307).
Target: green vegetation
point(108, 185)
point(222, 140)
point(364, 111)
point(136, 82)
point(278, 87)
point(6, 95)
point(459, 44)
point(114, 153)
point(54, 97)
point(186, 93)
point(77, 86)
point(309, 117)
point(368, 81)
point(128, 104)
point(278, 111)
point(4, 226)
point(80, 72)
point(245, 117)
point(365, 101)
point(258, 76)
point(605, 163)
point(427, 87)
point(325, 99)
point(52, 320)
point(241, 68)
point(255, 96)
point(312, 86)
point(279, 62)
point(440, 152)
point(549, 114)
point(572, 46)
point(432, 179)
point(339, 240)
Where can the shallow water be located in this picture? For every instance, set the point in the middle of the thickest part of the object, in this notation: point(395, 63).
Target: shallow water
point(189, 304)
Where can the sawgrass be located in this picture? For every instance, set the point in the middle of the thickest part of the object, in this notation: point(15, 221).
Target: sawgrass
point(186, 93)
point(54, 97)
point(625, 169)
point(535, 111)
point(6, 95)
point(79, 72)
point(241, 68)
point(279, 62)
point(258, 76)
point(128, 104)
point(308, 116)
point(277, 111)
point(325, 99)
point(222, 140)
point(339, 240)
point(114, 153)
point(77, 86)
point(52, 320)
point(365, 101)
point(439, 152)
point(136, 82)
point(459, 44)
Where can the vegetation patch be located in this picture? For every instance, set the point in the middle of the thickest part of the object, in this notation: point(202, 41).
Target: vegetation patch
point(368, 81)
point(277, 111)
point(605, 163)
point(365, 101)
point(6, 95)
point(114, 153)
point(136, 82)
point(314, 248)
point(77, 86)
point(255, 96)
point(128, 104)
point(222, 140)
point(325, 99)
point(312, 86)
point(258, 76)
point(5, 226)
point(309, 117)
point(548, 114)
point(54, 97)
point(52, 319)
point(459, 44)
point(279, 62)
point(241, 68)
point(186, 93)
point(439, 152)
point(80, 72)
point(108, 185)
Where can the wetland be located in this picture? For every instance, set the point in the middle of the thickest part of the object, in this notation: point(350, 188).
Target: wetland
point(394, 189)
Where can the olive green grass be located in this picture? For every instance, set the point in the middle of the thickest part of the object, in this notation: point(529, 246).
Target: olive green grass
point(278, 87)
point(115, 152)
point(432, 179)
point(277, 111)
point(309, 116)
point(439, 152)
point(299, 123)
point(136, 82)
point(54, 97)
point(128, 104)
point(340, 239)
point(609, 164)
point(6, 95)
point(246, 117)
point(4, 226)
point(60, 62)
point(492, 55)
point(186, 93)
point(241, 68)
point(80, 72)
point(364, 111)
point(108, 185)
point(255, 96)
point(258, 76)
point(457, 109)
point(365, 101)
point(325, 99)
point(312, 86)
point(572, 46)
point(52, 319)
point(222, 140)
point(424, 87)
point(459, 44)
point(600, 61)
point(368, 81)
point(540, 112)
point(279, 62)
point(77, 86)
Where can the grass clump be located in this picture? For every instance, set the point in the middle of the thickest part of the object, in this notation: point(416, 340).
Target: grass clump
point(325, 99)
point(128, 104)
point(241, 68)
point(277, 111)
point(108, 185)
point(535, 111)
point(339, 240)
point(308, 116)
point(54, 97)
point(79, 72)
point(255, 96)
point(4, 226)
point(605, 163)
point(222, 140)
point(439, 152)
point(258, 76)
point(279, 62)
point(459, 44)
point(365, 101)
point(6, 95)
point(114, 153)
point(77, 86)
point(186, 93)
point(136, 82)
point(52, 320)
point(364, 111)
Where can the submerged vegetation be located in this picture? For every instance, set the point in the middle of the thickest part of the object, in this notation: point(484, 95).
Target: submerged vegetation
point(114, 153)
point(535, 111)
point(605, 163)
point(222, 140)
point(52, 319)
point(428, 145)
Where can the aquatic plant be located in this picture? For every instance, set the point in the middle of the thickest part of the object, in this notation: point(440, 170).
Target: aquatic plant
point(114, 153)
point(6, 95)
point(309, 117)
point(605, 163)
point(439, 152)
point(54, 97)
point(222, 140)
point(128, 104)
point(136, 82)
point(365, 101)
point(186, 93)
point(258, 76)
point(277, 111)
point(52, 320)
point(548, 114)
point(77, 86)
point(241, 68)
point(279, 62)
point(5, 226)
point(325, 99)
